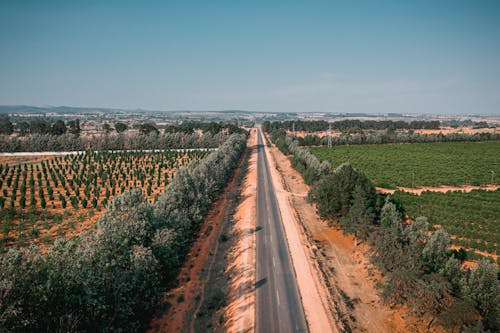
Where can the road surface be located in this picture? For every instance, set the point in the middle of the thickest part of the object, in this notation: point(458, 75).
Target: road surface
point(278, 304)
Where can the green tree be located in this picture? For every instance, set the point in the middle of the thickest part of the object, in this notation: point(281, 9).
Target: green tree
point(435, 252)
point(6, 126)
point(361, 216)
point(40, 126)
point(107, 128)
point(58, 128)
point(333, 194)
point(390, 217)
point(74, 127)
point(24, 128)
point(148, 128)
point(483, 287)
point(120, 127)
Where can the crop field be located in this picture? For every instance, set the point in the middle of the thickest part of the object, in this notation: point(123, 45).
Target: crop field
point(472, 218)
point(43, 198)
point(420, 164)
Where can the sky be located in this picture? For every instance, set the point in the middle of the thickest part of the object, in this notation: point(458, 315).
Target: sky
point(432, 57)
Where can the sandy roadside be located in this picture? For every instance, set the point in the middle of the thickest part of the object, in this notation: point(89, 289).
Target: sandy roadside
point(240, 311)
point(312, 291)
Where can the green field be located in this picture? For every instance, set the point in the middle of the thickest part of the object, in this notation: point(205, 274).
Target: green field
point(472, 217)
point(420, 164)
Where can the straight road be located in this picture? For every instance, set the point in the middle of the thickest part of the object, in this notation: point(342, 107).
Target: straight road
point(278, 304)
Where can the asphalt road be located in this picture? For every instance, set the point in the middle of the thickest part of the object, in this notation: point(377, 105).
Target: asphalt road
point(278, 305)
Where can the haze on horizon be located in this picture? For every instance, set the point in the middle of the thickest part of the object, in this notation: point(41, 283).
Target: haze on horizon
point(439, 57)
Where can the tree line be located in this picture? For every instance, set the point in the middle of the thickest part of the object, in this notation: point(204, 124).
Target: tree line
point(112, 280)
point(422, 272)
point(348, 124)
point(39, 126)
point(387, 137)
point(70, 142)
point(211, 127)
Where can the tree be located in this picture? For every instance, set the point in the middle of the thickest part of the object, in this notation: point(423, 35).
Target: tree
point(148, 128)
point(390, 217)
point(107, 128)
point(6, 126)
point(24, 128)
point(483, 287)
point(333, 194)
point(361, 215)
point(389, 245)
point(74, 127)
point(212, 127)
point(121, 127)
point(39, 126)
point(435, 252)
point(58, 128)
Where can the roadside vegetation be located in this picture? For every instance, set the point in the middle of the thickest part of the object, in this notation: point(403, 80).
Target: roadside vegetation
point(421, 270)
point(111, 280)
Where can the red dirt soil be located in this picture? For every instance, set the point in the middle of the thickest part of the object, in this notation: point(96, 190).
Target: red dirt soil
point(179, 317)
point(442, 189)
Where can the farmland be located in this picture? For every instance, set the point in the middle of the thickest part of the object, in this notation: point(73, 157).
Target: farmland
point(471, 218)
point(422, 164)
point(43, 198)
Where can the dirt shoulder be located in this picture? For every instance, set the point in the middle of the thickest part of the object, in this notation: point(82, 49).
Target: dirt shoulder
point(348, 279)
point(313, 291)
point(180, 307)
point(240, 311)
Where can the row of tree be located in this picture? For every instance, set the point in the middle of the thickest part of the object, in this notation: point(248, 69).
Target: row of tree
point(59, 127)
point(422, 271)
point(39, 126)
point(69, 142)
point(111, 280)
point(348, 124)
point(392, 137)
point(211, 127)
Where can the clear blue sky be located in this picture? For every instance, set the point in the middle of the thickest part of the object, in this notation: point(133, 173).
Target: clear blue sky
point(352, 56)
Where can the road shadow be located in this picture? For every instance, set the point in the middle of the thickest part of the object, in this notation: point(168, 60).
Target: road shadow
point(260, 283)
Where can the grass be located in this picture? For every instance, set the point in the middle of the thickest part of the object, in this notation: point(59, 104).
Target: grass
point(420, 164)
point(473, 218)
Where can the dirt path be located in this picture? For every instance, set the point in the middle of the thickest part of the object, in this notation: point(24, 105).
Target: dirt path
point(349, 277)
point(442, 189)
point(240, 311)
point(313, 292)
point(184, 301)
